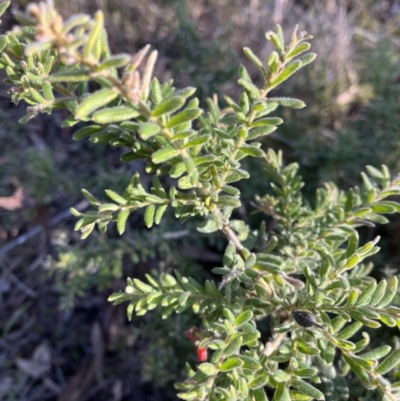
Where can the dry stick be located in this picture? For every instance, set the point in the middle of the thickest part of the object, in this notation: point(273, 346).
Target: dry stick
point(38, 229)
point(231, 235)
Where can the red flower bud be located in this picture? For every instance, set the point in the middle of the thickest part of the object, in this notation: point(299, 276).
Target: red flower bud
point(202, 354)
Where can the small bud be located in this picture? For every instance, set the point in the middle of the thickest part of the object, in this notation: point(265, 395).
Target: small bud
point(305, 319)
point(202, 354)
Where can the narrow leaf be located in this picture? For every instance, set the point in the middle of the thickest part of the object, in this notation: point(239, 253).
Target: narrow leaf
point(164, 155)
point(159, 213)
point(183, 117)
point(243, 318)
point(78, 75)
point(147, 130)
point(114, 114)
point(208, 368)
point(259, 382)
point(389, 363)
point(349, 331)
point(288, 102)
point(390, 293)
point(86, 131)
point(289, 71)
point(308, 389)
point(377, 353)
point(168, 106)
point(231, 364)
point(94, 101)
point(149, 215)
point(121, 221)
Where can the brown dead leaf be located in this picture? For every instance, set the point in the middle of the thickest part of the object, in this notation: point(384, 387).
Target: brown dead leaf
point(78, 385)
point(39, 364)
point(16, 201)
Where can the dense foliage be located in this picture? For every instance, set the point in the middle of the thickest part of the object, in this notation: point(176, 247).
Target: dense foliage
point(307, 274)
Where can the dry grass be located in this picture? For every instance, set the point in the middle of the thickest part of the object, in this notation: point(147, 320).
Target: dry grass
point(339, 28)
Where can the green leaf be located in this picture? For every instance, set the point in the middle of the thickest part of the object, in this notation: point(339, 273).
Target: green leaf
point(308, 389)
point(130, 156)
point(389, 363)
point(149, 216)
point(352, 245)
point(287, 102)
point(94, 101)
point(352, 299)
point(300, 48)
point(145, 288)
point(197, 140)
point(228, 201)
point(208, 226)
point(243, 318)
point(361, 373)
point(366, 364)
point(261, 131)
point(48, 91)
point(379, 293)
point(184, 117)
point(119, 60)
point(252, 151)
point(164, 155)
point(90, 50)
point(253, 90)
point(353, 261)
point(250, 363)
point(288, 72)
point(390, 293)
point(234, 346)
point(250, 338)
point(305, 372)
point(159, 213)
point(306, 348)
point(208, 368)
point(86, 131)
point(231, 364)
point(253, 58)
point(298, 396)
point(147, 130)
point(377, 353)
point(266, 121)
point(78, 75)
point(191, 395)
point(271, 36)
point(115, 197)
point(259, 395)
point(380, 209)
point(168, 106)
point(121, 221)
point(91, 198)
point(114, 114)
point(4, 6)
point(236, 174)
point(307, 59)
point(366, 295)
point(349, 331)
point(259, 382)
point(281, 376)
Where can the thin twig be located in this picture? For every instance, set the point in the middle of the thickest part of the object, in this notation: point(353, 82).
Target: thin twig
point(38, 229)
point(231, 235)
point(23, 287)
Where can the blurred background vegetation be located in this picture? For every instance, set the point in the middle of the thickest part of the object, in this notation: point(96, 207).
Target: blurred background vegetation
point(59, 338)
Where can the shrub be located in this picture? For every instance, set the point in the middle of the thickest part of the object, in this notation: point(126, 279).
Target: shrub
point(306, 275)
